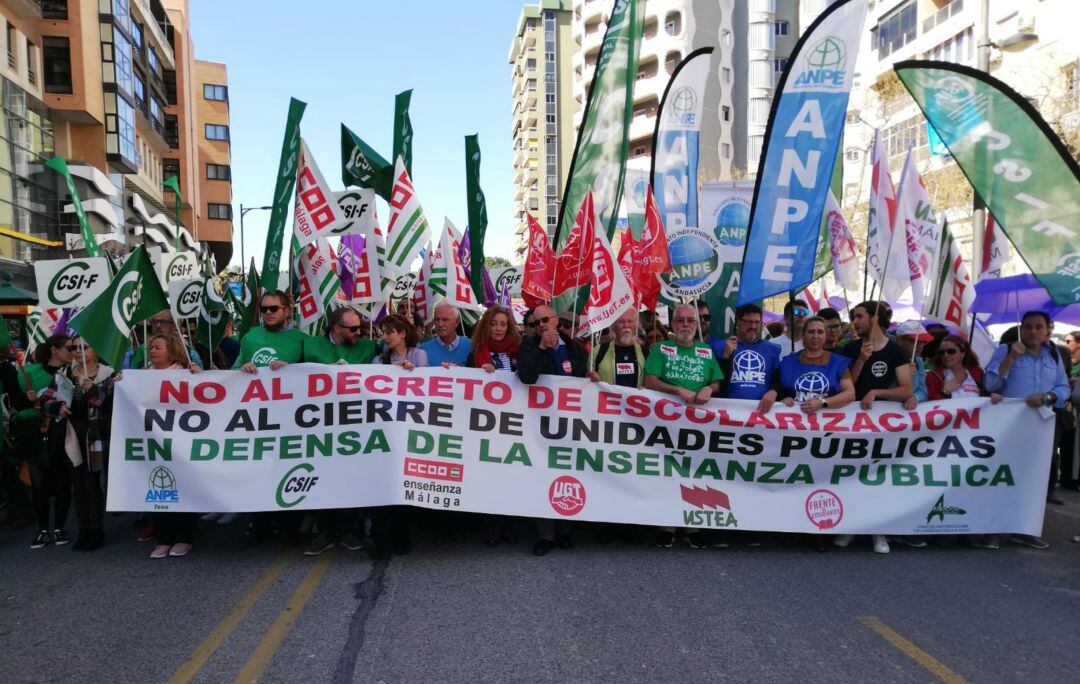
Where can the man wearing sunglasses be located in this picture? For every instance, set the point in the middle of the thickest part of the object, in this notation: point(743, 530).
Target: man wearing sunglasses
point(342, 343)
point(549, 352)
point(161, 322)
point(795, 313)
point(273, 344)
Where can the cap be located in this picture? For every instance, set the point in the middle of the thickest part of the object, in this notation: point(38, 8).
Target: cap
point(913, 329)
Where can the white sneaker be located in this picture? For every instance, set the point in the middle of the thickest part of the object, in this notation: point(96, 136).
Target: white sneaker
point(227, 518)
point(843, 540)
point(881, 544)
point(209, 517)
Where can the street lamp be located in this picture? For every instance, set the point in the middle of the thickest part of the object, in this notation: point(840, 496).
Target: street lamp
point(243, 257)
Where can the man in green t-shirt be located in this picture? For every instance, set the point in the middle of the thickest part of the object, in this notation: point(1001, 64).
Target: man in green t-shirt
point(684, 367)
point(272, 345)
point(343, 343)
point(689, 369)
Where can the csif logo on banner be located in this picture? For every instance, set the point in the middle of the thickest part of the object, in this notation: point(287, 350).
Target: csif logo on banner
point(295, 485)
point(179, 267)
point(70, 283)
point(185, 296)
point(824, 64)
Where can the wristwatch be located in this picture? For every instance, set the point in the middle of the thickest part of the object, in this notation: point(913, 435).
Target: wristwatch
point(824, 403)
point(1049, 399)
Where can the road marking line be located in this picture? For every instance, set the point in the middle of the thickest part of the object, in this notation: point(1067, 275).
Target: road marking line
point(216, 638)
point(268, 647)
point(912, 651)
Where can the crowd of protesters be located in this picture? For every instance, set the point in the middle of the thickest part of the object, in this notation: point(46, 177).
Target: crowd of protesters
point(56, 407)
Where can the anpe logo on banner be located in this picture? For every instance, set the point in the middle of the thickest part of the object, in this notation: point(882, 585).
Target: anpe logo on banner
point(824, 64)
point(294, 484)
point(567, 495)
point(708, 503)
point(162, 487)
point(434, 470)
point(683, 104)
point(824, 509)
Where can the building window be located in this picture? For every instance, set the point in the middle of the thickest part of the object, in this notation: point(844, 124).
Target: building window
point(121, 56)
point(31, 63)
point(215, 92)
point(140, 92)
point(152, 60)
point(11, 34)
point(170, 168)
point(896, 30)
point(120, 12)
point(217, 132)
point(54, 9)
point(779, 64)
point(218, 172)
point(671, 61)
point(639, 151)
point(219, 211)
point(120, 130)
point(852, 154)
point(155, 111)
point(725, 113)
point(725, 150)
point(781, 28)
point(673, 24)
point(726, 72)
point(136, 34)
point(56, 55)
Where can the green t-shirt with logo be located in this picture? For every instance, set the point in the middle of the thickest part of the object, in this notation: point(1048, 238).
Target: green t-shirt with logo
point(322, 350)
point(260, 347)
point(691, 367)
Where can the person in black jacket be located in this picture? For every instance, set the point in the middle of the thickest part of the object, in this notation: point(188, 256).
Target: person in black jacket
point(550, 353)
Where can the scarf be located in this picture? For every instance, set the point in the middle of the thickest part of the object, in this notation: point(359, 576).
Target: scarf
point(482, 354)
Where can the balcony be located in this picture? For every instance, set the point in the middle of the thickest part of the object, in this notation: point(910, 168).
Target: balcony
point(948, 11)
point(151, 27)
point(25, 9)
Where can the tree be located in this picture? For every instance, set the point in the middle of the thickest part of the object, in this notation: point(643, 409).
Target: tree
point(496, 262)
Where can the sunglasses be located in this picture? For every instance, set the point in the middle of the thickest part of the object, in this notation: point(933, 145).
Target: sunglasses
point(530, 324)
point(542, 321)
point(800, 312)
point(705, 317)
point(269, 309)
point(72, 347)
point(350, 328)
point(949, 351)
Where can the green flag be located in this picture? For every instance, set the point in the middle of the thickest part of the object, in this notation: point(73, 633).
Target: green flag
point(283, 191)
point(250, 304)
point(173, 184)
point(5, 334)
point(1013, 160)
point(403, 129)
point(361, 165)
point(599, 162)
point(133, 296)
point(477, 212)
point(213, 318)
point(60, 166)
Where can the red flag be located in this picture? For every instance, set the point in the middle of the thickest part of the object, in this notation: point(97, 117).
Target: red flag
point(825, 294)
point(630, 261)
point(573, 266)
point(539, 267)
point(654, 258)
point(810, 299)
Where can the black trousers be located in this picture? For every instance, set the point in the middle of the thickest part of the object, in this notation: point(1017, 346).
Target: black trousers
point(89, 498)
point(50, 479)
point(338, 522)
point(390, 525)
point(175, 528)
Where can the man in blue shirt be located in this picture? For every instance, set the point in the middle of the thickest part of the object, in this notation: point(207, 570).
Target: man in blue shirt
point(1029, 369)
point(748, 361)
point(447, 348)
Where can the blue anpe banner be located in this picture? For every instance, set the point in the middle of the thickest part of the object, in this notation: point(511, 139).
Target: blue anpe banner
point(801, 145)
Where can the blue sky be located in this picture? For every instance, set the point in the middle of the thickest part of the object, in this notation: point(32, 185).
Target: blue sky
point(347, 60)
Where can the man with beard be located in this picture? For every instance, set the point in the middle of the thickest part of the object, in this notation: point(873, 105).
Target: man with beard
point(621, 361)
point(686, 368)
point(447, 348)
point(272, 344)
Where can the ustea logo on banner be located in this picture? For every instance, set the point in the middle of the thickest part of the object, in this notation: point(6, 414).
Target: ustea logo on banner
point(824, 65)
point(712, 507)
point(162, 489)
point(566, 495)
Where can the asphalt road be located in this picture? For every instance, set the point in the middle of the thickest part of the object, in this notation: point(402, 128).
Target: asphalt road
point(463, 612)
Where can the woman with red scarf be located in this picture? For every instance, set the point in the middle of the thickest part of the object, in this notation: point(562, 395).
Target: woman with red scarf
point(495, 343)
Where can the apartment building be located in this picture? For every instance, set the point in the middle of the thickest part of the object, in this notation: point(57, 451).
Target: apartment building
point(110, 85)
point(543, 102)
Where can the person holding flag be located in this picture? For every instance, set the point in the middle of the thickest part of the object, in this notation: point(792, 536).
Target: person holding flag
point(162, 322)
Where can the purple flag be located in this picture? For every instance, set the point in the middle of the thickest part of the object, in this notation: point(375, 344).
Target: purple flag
point(465, 256)
point(62, 324)
point(352, 246)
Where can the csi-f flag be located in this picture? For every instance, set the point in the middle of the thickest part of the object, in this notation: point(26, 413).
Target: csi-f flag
point(403, 132)
point(133, 296)
point(801, 144)
point(408, 229)
point(89, 241)
point(361, 165)
point(1013, 160)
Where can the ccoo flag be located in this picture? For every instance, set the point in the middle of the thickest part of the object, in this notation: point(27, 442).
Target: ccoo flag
point(1013, 160)
point(317, 213)
point(801, 144)
point(133, 295)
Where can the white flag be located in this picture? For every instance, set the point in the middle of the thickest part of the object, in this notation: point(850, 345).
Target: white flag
point(318, 283)
point(915, 216)
point(407, 230)
point(317, 212)
point(953, 293)
point(882, 212)
point(845, 258)
point(457, 287)
point(610, 294)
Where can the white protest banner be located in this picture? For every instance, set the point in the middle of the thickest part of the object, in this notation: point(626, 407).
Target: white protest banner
point(71, 283)
point(185, 298)
point(311, 436)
